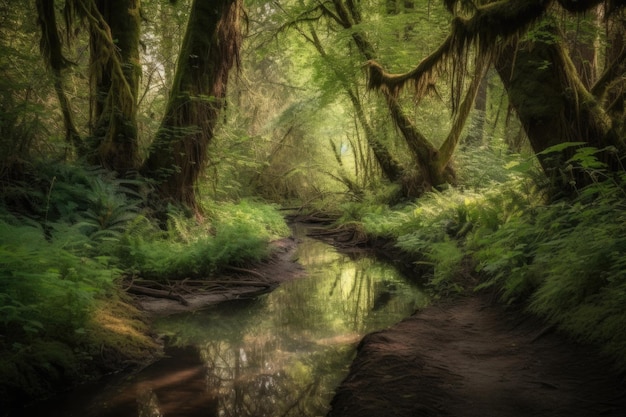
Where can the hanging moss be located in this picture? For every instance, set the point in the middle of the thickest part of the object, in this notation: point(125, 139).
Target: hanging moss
point(488, 24)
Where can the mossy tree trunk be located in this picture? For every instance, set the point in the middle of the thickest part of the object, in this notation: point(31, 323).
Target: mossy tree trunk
point(115, 70)
point(432, 163)
point(541, 80)
point(614, 100)
point(553, 104)
point(52, 50)
point(210, 49)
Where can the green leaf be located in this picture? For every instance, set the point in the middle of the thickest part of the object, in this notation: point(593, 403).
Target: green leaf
point(560, 147)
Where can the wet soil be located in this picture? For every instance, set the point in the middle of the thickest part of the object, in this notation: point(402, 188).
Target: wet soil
point(470, 358)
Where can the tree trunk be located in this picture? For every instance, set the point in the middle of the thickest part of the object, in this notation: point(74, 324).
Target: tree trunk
point(476, 132)
point(210, 49)
point(552, 102)
point(115, 72)
point(51, 48)
point(615, 62)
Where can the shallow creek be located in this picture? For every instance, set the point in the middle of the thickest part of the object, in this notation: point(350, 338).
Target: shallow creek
point(279, 355)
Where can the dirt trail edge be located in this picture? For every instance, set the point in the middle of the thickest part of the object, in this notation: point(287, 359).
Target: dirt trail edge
point(465, 358)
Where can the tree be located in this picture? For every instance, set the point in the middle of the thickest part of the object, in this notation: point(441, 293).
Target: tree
point(210, 49)
point(115, 72)
point(543, 85)
point(433, 163)
point(51, 48)
point(178, 153)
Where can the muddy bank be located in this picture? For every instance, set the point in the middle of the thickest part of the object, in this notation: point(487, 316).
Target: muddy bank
point(470, 358)
point(233, 283)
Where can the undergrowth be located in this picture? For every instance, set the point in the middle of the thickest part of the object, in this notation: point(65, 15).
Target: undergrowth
point(564, 259)
point(68, 236)
point(234, 234)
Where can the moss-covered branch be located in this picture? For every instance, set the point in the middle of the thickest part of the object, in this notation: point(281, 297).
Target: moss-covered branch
point(488, 24)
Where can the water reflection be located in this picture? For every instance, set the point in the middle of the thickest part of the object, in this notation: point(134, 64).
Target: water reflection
point(279, 355)
point(283, 354)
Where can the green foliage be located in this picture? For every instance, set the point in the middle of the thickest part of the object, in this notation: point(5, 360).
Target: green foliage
point(236, 233)
point(24, 87)
point(80, 230)
point(47, 293)
point(46, 289)
point(427, 230)
point(22, 367)
point(565, 259)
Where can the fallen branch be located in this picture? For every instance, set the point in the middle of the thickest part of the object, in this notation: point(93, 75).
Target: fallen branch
point(137, 289)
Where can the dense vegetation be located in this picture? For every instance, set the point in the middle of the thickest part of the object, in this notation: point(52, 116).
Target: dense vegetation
point(564, 259)
point(485, 139)
point(66, 255)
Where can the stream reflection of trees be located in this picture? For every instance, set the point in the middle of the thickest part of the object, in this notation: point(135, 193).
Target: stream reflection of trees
point(283, 354)
point(248, 384)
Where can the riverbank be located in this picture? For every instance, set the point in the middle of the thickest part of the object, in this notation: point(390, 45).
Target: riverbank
point(124, 323)
point(469, 357)
point(280, 354)
point(234, 283)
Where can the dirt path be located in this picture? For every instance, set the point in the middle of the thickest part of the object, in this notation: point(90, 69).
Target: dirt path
point(464, 359)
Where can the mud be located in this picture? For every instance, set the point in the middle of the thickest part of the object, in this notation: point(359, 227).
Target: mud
point(472, 358)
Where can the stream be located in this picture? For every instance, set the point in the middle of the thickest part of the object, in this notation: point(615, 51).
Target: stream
point(281, 354)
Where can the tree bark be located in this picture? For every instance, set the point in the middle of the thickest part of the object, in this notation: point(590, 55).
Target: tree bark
point(51, 48)
point(551, 101)
point(115, 72)
point(210, 49)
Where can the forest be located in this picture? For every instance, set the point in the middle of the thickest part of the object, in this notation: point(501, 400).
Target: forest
point(481, 141)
